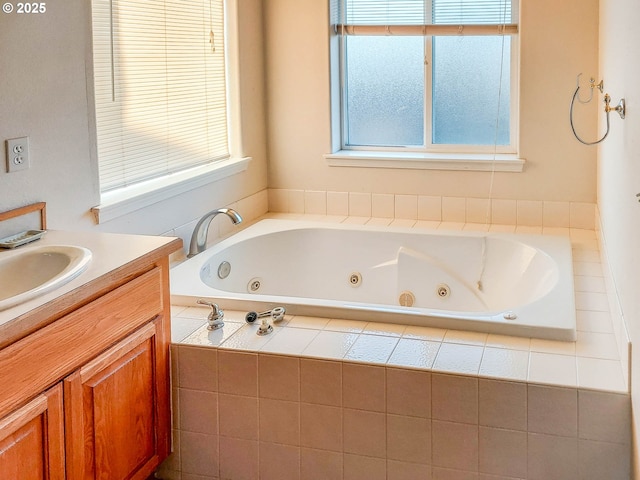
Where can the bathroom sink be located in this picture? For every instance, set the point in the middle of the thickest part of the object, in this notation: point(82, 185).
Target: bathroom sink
point(25, 274)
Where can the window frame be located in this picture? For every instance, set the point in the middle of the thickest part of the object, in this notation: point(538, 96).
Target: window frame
point(430, 155)
point(125, 200)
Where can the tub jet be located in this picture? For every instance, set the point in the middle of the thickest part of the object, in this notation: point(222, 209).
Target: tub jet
point(355, 279)
point(443, 290)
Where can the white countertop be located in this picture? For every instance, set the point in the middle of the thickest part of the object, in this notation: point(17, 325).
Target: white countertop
point(109, 253)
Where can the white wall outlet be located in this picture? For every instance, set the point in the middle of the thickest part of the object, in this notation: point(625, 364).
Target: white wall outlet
point(18, 154)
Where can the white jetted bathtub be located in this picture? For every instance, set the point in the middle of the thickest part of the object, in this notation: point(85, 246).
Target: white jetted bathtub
point(497, 283)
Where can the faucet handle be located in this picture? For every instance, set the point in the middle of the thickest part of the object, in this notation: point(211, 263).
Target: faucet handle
point(216, 315)
point(265, 327)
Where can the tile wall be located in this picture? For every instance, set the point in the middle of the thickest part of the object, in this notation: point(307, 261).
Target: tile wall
point(247, 415)
point(430, 208)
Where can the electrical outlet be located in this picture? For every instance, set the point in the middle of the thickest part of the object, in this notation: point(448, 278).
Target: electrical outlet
point(18, 154)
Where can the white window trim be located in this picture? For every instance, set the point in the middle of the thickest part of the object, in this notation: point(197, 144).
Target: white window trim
point(126, 200)
point(122, 201)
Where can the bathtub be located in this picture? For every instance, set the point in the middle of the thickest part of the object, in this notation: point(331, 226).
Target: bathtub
point(490, 282)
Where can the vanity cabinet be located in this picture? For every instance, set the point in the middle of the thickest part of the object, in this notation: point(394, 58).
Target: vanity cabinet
point(87, 395)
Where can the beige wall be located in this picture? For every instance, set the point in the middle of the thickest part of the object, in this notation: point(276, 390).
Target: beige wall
point(555, 48)
point(619, 170)
point(43, 94)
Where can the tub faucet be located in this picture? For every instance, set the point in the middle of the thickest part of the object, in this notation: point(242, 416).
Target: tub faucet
point(199, 237)
point(215, 317)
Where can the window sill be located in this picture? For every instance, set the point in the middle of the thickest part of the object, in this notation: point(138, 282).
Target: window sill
point(478, 162)
point(129, 199)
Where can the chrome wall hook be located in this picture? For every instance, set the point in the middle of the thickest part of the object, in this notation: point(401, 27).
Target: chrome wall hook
point(592, 86)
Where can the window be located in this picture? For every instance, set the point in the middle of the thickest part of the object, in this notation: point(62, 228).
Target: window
point(427, 75)
point(160, 87)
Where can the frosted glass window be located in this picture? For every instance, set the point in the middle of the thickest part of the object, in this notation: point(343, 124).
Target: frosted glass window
point(384, 91)
point(434, 75)
point(471, 98)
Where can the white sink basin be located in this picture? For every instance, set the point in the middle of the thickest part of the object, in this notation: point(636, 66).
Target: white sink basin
point(25, 274)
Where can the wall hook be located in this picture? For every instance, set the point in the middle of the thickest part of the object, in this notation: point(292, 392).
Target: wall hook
point(592, 85)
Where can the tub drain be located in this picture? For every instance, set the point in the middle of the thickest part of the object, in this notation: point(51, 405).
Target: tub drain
point(443, 290)
point(407, 299)
point(254, 285)
point(355, 279)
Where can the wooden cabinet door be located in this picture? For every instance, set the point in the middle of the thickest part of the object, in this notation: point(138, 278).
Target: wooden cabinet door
point(32, 439)
point(115, 411)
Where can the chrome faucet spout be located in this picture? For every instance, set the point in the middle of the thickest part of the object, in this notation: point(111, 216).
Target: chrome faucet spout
point(199, 238)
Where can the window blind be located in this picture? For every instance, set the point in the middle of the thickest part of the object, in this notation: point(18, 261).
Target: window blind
point(160, 87)
point(427, 17)
point(469, 12)
point(384, 12)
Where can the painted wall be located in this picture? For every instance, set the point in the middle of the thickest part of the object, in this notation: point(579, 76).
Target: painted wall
point(43, 94)
point(619, 171)
point(554, 49)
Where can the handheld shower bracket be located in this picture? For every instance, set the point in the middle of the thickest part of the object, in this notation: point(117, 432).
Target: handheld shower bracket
point(621, 108)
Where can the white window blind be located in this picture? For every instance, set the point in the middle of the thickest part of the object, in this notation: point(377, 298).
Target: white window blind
point(469, 12)
point(160, 87)
point(386, 12)
point(427, 17)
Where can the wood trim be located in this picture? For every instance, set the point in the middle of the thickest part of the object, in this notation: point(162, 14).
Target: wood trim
point(74, 425)
point(131, 342)
point(163, 368)
point(34, 207)
point(21, 417)
point(55, 433)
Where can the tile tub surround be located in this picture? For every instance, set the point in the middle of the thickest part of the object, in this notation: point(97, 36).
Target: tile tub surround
point(471, 405)
point(251, 415)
